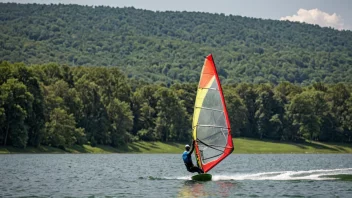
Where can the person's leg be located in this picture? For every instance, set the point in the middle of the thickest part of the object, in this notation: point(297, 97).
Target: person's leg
point(190, 169)
point(199, 170)
point(196, 169)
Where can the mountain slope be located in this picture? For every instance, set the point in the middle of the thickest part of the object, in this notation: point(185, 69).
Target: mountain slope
point(170, 46)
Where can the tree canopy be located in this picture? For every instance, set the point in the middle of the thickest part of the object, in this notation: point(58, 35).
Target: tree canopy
point(60, 106)
point(168, 46)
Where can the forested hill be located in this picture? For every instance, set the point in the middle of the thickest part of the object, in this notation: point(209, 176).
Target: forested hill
point(170, 46)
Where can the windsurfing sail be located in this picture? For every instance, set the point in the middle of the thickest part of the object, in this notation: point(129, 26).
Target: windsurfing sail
point(211, 125)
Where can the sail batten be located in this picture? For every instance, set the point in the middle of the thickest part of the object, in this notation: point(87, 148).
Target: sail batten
point(209, 109)
point(211, 126)
point(209, 89)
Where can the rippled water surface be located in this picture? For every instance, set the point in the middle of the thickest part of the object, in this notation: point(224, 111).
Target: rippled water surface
point(164, 175)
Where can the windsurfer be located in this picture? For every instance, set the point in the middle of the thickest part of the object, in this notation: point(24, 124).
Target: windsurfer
point(187, 159)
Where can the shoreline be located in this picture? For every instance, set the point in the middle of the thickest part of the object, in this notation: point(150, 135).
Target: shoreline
point(242, 146)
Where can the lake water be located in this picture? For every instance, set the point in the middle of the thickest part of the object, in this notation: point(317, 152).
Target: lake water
point(164, 175)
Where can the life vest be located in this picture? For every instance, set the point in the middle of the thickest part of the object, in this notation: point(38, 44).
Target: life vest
point(187, 158)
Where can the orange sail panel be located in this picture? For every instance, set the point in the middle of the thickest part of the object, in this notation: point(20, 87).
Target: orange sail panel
point(211, 125)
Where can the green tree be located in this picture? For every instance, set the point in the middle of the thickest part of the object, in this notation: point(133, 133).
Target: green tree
point(16, 104)
point(308, 110)
point(338, 97)
point(144, 111)
point(171, 122)
point(237, 111)
point(121, 119)
point(61, 129)
point(35, 119)
point(347, 123)
point(94, 118)
point(247, 93)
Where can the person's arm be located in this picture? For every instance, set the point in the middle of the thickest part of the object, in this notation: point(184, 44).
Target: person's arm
point(192, 148)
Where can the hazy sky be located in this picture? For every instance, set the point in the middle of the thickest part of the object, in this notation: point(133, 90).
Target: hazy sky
point(334, 13)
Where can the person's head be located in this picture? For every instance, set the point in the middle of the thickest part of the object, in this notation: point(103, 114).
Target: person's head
point(187, 147)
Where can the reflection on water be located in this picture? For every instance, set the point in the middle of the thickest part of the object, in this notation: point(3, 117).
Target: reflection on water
point(225, 188)
point(193, 189)
point(206, 189)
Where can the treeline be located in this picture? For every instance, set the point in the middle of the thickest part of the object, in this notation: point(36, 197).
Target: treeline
point(168, 46)
point(60, 106)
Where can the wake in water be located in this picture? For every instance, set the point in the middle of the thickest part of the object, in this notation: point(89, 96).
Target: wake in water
point(287, 175)
point(329, 174)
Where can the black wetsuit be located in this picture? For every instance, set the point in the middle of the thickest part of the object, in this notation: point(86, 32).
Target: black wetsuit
point(187, 159)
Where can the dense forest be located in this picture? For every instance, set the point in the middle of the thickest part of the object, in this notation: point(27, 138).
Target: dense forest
point(74, 74)
point(56, 105)
point(168, 46)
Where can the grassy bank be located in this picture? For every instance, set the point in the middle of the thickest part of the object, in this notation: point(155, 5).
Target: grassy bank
point(247, 146)
point(256, 146)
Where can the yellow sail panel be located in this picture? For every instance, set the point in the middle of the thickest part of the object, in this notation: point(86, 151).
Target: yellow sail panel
point(201, 93)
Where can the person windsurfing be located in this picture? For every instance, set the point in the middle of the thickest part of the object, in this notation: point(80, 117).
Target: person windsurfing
point(187, 159)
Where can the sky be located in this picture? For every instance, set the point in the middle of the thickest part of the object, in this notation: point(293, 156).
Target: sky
point(326, 13)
